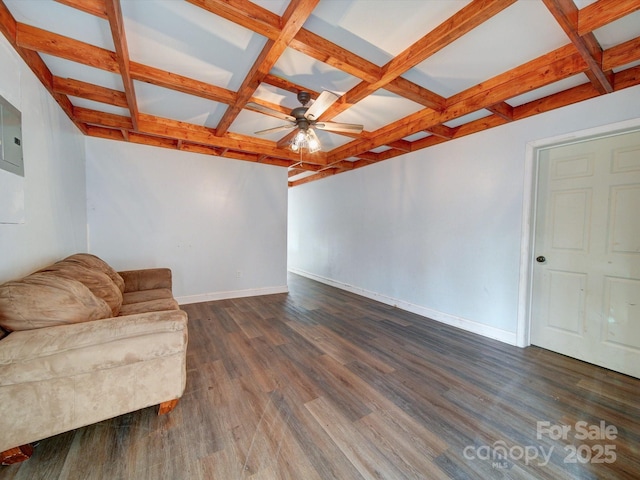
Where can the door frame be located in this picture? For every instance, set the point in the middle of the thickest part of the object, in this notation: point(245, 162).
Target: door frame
point(529, 202)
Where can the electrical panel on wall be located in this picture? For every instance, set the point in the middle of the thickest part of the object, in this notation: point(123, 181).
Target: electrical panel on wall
point(11, 165)
point(11, 158)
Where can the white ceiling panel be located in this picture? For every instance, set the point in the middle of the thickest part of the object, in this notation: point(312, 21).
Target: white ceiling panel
point(58, 18)
point(182, 38)
point(162, 102)
point(548, 90)
point(619, 31)
point(500, 44)
point(310, 73)
point(248, 122)
point(356, 25)
point(378, 109)
point(276, 6)
point(468, 118)
point(277, 96)
point(67, 69)
point(103, 107)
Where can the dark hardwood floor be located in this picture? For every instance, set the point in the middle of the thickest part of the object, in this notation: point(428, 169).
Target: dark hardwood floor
point(323, 384)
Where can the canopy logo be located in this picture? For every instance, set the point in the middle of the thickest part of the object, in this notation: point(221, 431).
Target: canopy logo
point(596, 450)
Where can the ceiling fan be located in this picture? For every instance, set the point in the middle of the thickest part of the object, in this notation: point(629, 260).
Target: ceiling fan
point(305, 119)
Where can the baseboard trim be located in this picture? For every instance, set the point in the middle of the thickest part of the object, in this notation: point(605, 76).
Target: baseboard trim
point(251, 292)
point(445, 318)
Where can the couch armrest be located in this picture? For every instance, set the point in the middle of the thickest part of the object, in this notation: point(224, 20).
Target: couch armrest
point(65, 350)
point(146, 279)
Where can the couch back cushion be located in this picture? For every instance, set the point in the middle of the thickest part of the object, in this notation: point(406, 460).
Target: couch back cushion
point(45, 299)
point(95, 280)
point(97, 263)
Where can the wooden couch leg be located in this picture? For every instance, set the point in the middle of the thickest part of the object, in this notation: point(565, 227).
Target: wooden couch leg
point(166, 407)
point(16, 454)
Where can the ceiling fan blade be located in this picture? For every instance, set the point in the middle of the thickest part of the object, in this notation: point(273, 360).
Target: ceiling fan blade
point(270, 111)
point(281, 128)
point(339, 127)
point(324, 101)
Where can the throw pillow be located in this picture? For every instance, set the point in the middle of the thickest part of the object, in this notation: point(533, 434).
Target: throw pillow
point(97, 263)
point(98, 282)
point(45, 299)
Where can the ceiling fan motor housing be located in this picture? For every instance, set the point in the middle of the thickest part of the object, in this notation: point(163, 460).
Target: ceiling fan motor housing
point(301, 121)
point(304, 97)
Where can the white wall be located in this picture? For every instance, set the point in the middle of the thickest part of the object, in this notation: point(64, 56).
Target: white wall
point(437, 231)
point(219, 224)
point(54, 182)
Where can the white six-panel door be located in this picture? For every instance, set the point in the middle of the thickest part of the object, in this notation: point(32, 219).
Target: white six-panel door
point(586, 276)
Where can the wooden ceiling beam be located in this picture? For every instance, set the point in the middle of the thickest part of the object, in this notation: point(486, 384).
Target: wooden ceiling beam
point(267, 24)
point(288, 86)
point(187, 132)
point(416, 93)
point(557, 100)
point(480, 124)
point(92, 7)
point(428, 142)
point(461, 23)
point(402, 145)
point(196, 148)
point(586, 91)
point(322, 50)
point(566, 14)
point(89, 91)
point(621, 54)
point(328, 52)
point(369, 156)
point(272, 106)
point(583, 55)
point(442, 131)
point(106, 133)
point(603, 12)
point(33, 38)
point(312, 178)
point(173, 81)
point(142, 139)
point(502, 109)
point(116, 23)
point(343, 166)
point(466, 19)
point(165, 127)
point(469, 17)
point(549, 68)
point(627, 78)
point(36, 39)
point(292, 20)
point(245, 14)
point(102, 119)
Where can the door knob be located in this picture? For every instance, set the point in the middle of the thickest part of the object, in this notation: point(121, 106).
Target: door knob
point(541, 259)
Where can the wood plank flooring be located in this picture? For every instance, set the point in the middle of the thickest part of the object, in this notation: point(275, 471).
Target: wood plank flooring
point(323, 384)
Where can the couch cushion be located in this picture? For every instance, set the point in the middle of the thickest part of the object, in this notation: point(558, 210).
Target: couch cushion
point(45, 299)
point(157, 305)
point(146, 295)
point(97, 263)
point(69, 350)
point(98, 282)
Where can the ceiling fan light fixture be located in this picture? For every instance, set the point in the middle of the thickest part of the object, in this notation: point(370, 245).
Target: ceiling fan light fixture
point(306, 139)
point(313, 142)
point(305, 119)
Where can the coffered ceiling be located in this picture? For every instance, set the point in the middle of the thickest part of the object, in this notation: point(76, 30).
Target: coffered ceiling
point(191, 75)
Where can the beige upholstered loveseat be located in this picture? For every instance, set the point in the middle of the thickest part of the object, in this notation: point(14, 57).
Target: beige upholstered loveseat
point(81, 344)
